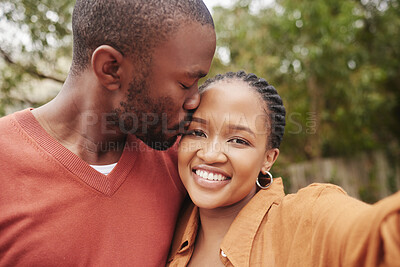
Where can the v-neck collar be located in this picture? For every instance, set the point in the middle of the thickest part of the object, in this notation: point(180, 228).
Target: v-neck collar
point(106, 184)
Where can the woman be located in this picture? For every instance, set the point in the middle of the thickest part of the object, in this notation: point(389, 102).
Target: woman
point(241, 216)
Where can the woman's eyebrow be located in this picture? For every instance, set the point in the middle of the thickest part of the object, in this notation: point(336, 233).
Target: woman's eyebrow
point(199, 120)
point(241, 128)
point(233, 127)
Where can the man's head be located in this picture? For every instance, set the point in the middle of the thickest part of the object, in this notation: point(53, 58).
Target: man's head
point(151, 53)
point(133, 27)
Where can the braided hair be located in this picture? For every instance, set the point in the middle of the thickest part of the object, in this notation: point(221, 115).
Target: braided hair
point(268, 93)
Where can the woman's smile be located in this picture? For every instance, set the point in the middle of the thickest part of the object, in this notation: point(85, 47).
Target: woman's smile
point(210, 177)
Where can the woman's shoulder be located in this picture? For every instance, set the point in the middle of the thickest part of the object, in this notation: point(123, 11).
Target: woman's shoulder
point(320, 196)
point(316, 190)
point(308, 193)
point(308, 196)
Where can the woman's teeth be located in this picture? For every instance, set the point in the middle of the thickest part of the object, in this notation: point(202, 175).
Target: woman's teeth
point(211, 176)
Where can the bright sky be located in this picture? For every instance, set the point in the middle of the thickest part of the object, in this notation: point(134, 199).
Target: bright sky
point(211, 3)
point(12, 33)
point(227, 3)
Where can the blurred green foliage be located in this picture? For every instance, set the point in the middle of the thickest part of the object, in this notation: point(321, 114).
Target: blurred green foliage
point(336, 63)
point(35, 40)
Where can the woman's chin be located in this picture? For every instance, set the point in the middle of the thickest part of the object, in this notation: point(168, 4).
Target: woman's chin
point(205, 203)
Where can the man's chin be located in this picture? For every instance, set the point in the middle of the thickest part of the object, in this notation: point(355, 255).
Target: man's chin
point(162, 140)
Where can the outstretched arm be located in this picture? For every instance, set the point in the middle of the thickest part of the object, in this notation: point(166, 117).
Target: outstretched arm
point(351, 233)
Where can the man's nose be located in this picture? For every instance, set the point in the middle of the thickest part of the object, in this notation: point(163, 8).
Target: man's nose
point(193, 101)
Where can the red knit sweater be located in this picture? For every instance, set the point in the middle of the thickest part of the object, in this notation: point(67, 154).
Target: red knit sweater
point(55, 210)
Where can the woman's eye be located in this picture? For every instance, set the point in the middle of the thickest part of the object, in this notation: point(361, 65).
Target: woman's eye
point(239, 141)
point(197, 133)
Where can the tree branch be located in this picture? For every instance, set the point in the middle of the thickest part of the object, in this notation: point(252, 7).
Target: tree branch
point(31, 70)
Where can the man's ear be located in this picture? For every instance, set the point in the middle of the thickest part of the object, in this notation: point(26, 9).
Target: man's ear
point(270, 157)
point(106, 64)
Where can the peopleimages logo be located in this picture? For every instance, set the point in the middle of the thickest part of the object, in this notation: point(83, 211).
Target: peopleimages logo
point(310, 126)
point(131, 123)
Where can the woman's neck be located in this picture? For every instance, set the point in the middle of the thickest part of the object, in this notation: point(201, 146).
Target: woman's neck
point(215, 223)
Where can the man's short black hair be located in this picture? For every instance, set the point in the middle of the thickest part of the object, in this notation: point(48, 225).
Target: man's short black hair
point(133, 27)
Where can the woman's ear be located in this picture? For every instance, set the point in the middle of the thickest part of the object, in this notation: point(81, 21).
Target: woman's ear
point(106, 64)
point(270, 157)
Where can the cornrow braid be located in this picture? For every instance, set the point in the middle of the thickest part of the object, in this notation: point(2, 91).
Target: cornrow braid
point(268, 93)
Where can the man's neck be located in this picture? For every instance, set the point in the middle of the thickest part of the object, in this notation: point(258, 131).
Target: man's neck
point(81, 127)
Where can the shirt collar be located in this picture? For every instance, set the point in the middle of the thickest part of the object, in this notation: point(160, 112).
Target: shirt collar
point(186, 230)
point(238, 241)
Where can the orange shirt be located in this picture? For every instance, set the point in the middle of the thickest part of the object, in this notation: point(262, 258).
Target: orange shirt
point(56, 210)
point(318, 226)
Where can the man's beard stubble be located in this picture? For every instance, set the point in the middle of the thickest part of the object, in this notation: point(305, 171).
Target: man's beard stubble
point(138, 116)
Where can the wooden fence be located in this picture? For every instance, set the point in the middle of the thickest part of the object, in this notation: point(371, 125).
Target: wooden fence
point(369, 177)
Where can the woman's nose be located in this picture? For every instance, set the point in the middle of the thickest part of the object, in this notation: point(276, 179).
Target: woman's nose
point(212, 152)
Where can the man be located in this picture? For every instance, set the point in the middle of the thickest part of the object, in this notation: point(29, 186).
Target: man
point(82, 183)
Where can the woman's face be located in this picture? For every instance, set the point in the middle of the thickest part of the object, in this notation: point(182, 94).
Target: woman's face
point(225, 148)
